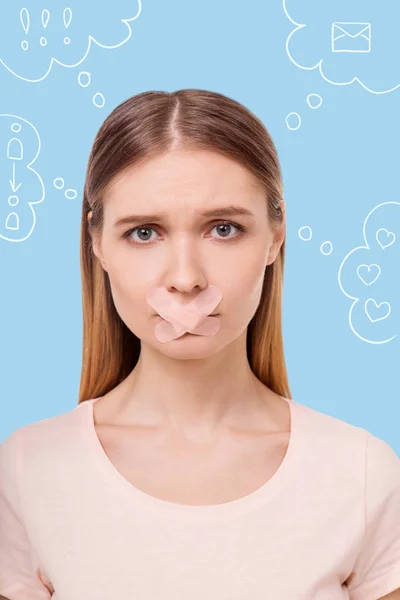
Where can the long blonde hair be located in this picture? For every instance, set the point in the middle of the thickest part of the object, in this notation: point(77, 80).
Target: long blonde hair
point(147, 125)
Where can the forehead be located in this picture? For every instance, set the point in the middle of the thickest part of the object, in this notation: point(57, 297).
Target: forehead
point(192, 177)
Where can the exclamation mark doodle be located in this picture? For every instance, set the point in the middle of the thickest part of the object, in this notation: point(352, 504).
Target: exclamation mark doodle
point(67, 16)
point(24, 16)
point(45, 21)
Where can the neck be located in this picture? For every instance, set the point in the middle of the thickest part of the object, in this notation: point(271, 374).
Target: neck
point(193, 394)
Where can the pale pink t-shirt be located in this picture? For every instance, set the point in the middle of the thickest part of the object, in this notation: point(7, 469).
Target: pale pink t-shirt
point(326, 526)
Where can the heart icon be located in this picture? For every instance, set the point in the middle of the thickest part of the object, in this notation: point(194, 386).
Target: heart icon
point(377, 306)
point(385, 234)
point(368, 267)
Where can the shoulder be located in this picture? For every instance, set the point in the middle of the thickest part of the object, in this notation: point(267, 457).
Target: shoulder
point(348, 446)
point(333, 433)
point(335, 429)
point(37, 442)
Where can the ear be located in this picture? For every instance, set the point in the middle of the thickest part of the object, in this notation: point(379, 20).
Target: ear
point(279, 236)
point(96, 245)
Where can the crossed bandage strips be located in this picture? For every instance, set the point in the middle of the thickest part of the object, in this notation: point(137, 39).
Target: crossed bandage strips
point(189, 318)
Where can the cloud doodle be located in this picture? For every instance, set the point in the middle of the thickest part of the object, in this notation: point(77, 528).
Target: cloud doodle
point(347, 41)
point(21, 186)
point(369, 276)
point(33, 39)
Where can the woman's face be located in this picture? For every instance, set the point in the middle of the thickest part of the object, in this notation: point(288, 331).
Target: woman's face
point(182, 249)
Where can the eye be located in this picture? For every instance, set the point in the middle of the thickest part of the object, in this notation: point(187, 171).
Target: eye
point(224, 225)
point(143, 230)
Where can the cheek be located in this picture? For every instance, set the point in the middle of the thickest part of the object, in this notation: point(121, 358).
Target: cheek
point(127, 270)
point(127, 293)
point(242, 288)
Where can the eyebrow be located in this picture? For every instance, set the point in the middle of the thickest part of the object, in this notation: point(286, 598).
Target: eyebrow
point(225, 211)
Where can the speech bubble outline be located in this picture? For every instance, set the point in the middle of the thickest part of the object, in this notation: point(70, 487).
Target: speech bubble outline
point(28, 166)
point(91, 40)
point(355, 298)
point(319, 64)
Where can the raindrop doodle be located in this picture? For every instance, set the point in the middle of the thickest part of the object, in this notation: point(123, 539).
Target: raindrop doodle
point(45, 18)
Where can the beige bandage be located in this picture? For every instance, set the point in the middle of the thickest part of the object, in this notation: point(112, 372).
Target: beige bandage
point(188, 318)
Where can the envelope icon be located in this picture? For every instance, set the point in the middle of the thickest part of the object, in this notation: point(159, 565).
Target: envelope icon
point(351, 37)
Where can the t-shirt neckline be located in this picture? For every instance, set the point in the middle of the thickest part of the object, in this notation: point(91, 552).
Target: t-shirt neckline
point(241, 505)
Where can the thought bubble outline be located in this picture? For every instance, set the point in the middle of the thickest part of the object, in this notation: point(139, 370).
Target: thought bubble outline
point(319, 64)
point(340, 270)
point(28, 166)
point(91, 39)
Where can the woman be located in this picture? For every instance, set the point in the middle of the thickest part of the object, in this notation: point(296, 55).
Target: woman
point(186, 470)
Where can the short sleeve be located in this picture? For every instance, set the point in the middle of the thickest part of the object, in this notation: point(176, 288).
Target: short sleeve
point(377, 568)
point(20, 575)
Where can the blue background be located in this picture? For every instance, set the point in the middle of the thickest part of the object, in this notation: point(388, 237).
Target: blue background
point(337, 166)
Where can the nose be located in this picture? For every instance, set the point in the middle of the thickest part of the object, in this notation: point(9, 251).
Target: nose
point(185, 271)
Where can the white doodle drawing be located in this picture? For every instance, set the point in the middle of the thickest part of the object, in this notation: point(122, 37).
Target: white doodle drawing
point(377, 241)
point(46, 42)
point(348, 36)
point(318, 99)
point(296, 119)
point(59, 183)
point(307, 44)
point(17, 215)
point(365, 278)
point(98, 100)
point(326, 248)
point(84, 80)
point(305, 231)
point(384, 304)
point(388, 234)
